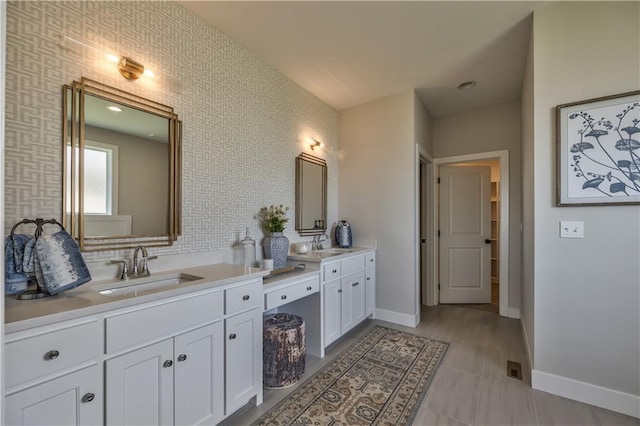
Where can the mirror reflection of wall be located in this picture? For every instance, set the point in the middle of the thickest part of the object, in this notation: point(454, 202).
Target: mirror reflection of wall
point(311, 195)
point(142, 176)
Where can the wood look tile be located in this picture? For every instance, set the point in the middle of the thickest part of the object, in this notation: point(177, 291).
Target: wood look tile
point(555, 410)
point(465, 356)
point(427, 416)
point(505, 404)
point(455, 394)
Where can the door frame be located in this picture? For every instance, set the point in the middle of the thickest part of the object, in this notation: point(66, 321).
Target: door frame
point(503, 157)
point(428, 199)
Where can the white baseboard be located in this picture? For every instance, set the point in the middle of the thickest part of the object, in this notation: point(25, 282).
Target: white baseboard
point(514, 313)
point(610, 399)
point(527, 348)
point(397, 318)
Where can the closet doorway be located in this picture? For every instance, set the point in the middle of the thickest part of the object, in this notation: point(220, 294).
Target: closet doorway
point(485, 280)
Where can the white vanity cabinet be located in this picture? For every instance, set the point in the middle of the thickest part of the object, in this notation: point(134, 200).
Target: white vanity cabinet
point(52, 375)
point(348, 293)
point(179, 376)
point(176, 358)
point(243, 345)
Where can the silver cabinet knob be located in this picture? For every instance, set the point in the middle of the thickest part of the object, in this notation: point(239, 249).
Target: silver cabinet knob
point(88, 397)
point(232, 336)
point(368, 278)
point(51, 355)
point(245, 297)
point(284, 296)
point(182, 357)
point(335, 271)
point(309, 288)
point(340, 291)
point(355, 284)
point(168, 363)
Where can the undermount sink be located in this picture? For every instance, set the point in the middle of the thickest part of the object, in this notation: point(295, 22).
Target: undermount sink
point(145, 285)
point(334, 252)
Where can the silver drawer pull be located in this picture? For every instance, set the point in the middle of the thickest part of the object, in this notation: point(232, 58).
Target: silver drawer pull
point(88, 397)
point(245, 297)
point(232, 336)
point(182, 357)
point(309, 288)
point(340, 291)
point(168, 363)
point(370, 260)
point(335, 271)
point(51, 355)
point(368, 278)
point(355, 284)
point(284, 296)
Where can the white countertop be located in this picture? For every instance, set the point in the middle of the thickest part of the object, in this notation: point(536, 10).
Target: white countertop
point(324, 255)
point(85, 300)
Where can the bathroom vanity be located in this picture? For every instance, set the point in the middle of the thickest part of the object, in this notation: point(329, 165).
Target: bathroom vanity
point(182, 354)
point(179, 347)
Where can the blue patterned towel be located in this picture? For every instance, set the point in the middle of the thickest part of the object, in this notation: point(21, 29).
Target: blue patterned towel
point(15, 276)
point(59, 264)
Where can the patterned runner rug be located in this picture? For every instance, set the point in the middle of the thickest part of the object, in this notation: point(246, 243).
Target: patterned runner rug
point(380, 380)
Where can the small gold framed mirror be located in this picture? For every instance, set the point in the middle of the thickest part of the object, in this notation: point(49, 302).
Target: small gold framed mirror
point(122, 168)
point(311, 195)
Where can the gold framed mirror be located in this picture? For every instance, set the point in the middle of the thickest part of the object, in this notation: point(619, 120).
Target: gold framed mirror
point(311, 195)
point(122, 168)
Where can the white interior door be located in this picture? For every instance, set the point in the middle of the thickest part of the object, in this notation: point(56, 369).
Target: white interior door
point(465, 234)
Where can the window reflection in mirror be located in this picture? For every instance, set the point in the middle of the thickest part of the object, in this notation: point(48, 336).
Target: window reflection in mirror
point(311, 195)
point(127, 152)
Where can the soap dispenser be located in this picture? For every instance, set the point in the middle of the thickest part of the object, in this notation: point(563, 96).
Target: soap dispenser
point(249, 249)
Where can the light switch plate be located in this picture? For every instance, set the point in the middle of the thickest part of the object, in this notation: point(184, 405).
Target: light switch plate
point(571, 229)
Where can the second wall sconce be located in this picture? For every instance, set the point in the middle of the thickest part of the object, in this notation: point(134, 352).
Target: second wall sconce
point(315, 144)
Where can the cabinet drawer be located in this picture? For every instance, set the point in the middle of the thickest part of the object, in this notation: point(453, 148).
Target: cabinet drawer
point(243, 297)
point(146, 324)
point(352, 265)
point(30, 356)
point(370, 260)
point(295, 291)
point(331, 271)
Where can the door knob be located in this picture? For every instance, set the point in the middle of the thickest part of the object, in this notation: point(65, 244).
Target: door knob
point(487, 241)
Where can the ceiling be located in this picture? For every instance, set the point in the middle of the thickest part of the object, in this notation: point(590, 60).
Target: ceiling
point(349, 53)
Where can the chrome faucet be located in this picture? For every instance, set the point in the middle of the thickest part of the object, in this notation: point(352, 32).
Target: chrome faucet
point(316, 244)
point(145, 256)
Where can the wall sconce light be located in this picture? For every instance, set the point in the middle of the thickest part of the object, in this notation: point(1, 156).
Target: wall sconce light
point(314, 144)
point(130, 69)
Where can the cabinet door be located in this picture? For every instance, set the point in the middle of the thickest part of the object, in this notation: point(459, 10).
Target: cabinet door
point(331, 292)
point(140, 386)
point(353, 301)
point(370, 291)
point(243, 336)
point(199, 376)
point(74, 399)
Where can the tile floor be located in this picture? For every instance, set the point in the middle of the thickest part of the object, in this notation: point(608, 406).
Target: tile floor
point(471, 386)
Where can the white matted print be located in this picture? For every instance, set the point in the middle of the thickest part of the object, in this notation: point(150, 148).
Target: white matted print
point(599, 151)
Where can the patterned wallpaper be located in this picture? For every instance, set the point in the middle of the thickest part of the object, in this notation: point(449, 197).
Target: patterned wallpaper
point(243, 122)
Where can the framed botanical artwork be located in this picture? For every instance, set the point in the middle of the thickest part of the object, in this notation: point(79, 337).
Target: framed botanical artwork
point(598, 157)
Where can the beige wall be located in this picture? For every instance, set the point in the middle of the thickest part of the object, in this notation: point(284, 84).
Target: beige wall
point(377, 192)
point(487, 129)
point(587, 291)
point(243, 122)
point(143, 176)
point(528, 225)
point(423, 125)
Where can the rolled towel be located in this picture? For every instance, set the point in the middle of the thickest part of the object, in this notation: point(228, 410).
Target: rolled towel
point(16, 278)
point(59, 263)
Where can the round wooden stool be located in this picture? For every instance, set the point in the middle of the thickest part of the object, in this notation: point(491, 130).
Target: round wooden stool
point(284, 350)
